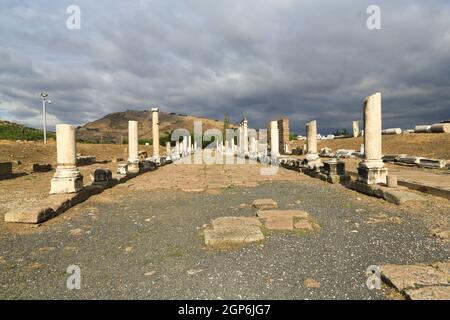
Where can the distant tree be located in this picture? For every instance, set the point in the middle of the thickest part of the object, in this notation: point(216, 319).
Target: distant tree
point(226, 123)
point(341, 132)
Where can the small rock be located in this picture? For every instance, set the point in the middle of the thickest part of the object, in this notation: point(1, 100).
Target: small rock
point(194, 271)
point(149, 274)
point(311, 283)
point(128, 249)
point(264, 204)
point(76, 232)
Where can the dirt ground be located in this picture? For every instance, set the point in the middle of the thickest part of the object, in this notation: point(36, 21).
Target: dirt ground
point(433, 145)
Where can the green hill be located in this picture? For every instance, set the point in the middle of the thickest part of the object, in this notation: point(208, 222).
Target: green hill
point(14, 131)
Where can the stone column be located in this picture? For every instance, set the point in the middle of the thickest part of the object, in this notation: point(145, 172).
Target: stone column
point(133, 147)
point(355, 125)
point(312, 157)
point(155, 131)
point(371, 170)
point(274, 142)
point(168, 148)
point(252, 145)
point(245, 136)
point(189, 143)
point(177, 147)
point(67, 178)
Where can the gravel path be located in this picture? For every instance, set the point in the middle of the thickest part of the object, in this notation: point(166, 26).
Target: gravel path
point(147, 244)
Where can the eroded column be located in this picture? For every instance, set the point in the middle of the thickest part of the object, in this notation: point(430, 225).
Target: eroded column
point(371, 170)
point(312, 157)
point(67, 178)
point(274, 140)
point(133, 147)
point(245, 136)
point(155, 131)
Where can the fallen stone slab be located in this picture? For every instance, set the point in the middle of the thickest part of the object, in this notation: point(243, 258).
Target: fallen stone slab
point(432, 163)
point(400, 196)
point(55, 205)
point(224, 237)
point(403, 277)
point(393, 157)
point(235, 222)
point(51, 207)
point(410, 160)
point(280, 223)
point(86, 160)
point(306, 225)
point(41, 167)
point(263, 204)
point(396, 196)
point(267, 214)
point(5, 170)
point(429, 293)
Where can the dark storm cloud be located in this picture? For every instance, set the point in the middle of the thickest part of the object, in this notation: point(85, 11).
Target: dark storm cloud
point(261, 59)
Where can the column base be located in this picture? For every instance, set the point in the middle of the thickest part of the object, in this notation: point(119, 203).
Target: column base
point(133, 167)
point(371, 175)
point(66, 181)
point(313, 162)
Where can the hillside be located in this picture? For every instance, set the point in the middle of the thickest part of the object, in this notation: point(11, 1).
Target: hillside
point(14, 131)
point(114, 126)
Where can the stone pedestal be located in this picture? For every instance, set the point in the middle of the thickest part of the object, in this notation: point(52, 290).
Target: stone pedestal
point(333, 171)
point(155, 132)
point(67, 178)
point(102, 177)
point(133, 153)
point(371, 170)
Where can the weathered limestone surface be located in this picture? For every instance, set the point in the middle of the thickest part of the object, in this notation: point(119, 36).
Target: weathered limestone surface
point(102, 176)
point(264, 204)
point(224, 237)
point(267, 214)
point(429, 293)
point(235, 222)
point(421, 281)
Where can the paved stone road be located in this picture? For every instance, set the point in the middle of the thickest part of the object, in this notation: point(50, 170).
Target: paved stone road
point(143, 240)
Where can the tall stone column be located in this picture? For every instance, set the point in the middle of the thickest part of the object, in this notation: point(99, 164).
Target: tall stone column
point(155, 131)
point(133, 147)
point(355, 125)
point(168, 148)
point(245, 136)
point(67, 178)
point(371, 170)
point(177, 147)
point(274, 142)
point(312, 157)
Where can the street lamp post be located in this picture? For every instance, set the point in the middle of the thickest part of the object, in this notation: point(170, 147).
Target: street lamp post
point(44, 96)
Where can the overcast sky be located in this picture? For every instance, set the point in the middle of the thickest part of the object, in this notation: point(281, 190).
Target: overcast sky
point(262, 59)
